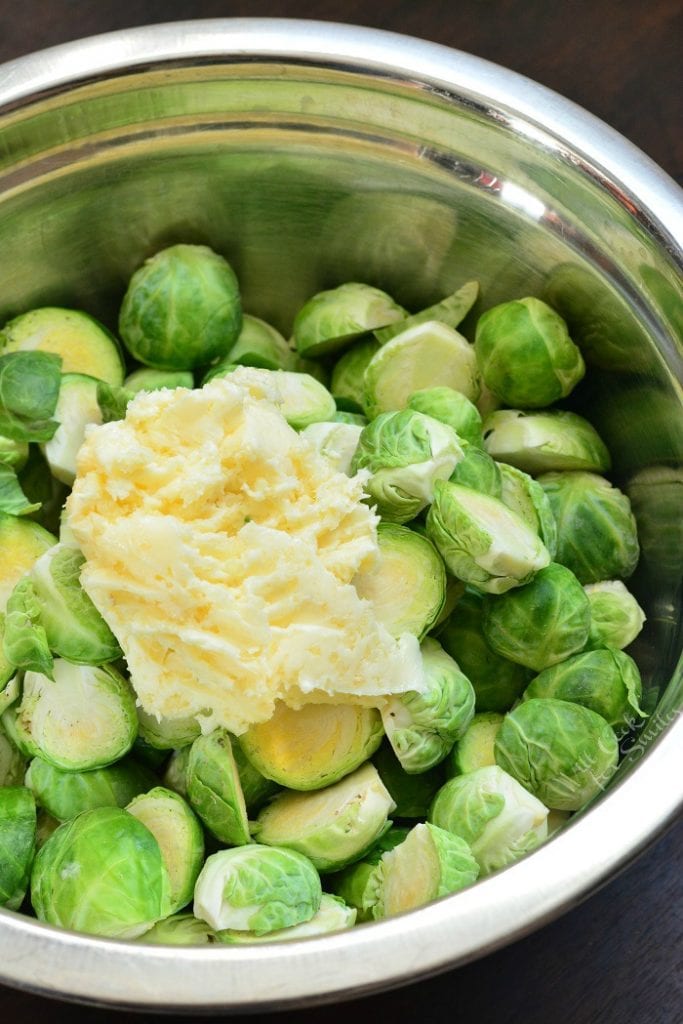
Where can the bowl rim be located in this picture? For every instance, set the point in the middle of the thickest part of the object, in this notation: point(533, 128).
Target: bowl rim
point(526, 895)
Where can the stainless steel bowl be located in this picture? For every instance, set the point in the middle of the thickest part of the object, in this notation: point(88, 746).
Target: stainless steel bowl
point(314, 153)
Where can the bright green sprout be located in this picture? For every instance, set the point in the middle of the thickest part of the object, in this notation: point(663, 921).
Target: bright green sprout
point(331, 320)
point(214, 789)
point(475, 748)
point(17, 843)
point(65, 794)
point(547, 441)
point(616, 616)
point(347, 382)
point(450, 407)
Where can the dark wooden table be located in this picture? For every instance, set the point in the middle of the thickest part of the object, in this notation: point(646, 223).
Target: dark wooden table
point(618, 958)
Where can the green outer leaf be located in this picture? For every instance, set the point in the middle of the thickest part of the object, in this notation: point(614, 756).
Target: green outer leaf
point(17, 843)
point(525, 496)
point(332, 319)
point(13, 501)
point(478, 471)
point(29, 389)
point(452, 408)
point(616, 616)
point(25, 643)
point(214, 790)
point(346, 383)
point(65, 794)
point(450, 311)
point(113, 401)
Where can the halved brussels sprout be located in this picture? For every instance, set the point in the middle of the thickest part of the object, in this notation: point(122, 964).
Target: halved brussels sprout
point(78, 882)
point(180, 839)
point(597, 537)
point(563, 753)
point(606, 681)
point(351, 884)
point(180, 930)
point(450, 311)
point(12, 762)
point(346, 383)
point(336, 441)
point(423, 726)
point(525, 496)
point(333, 915)
point(478, 471)
point(214, 789)
point(66, 793)
point(259, 344)
point(481, 541)
point(428, 864)
point(412, 794)
point(21, 543)
point(148, 379)
point(450, 407)
point(541, 623)
point(425, 356)
point(332, 826)
point(525, 353)
point(406, 585)
point(167, 733)
point(331, 320)
point(77, 408)
point(475, 748)
point(83, 718)
point(181, 309)
point(406, 453)
point(257, 889)
point(496, 816)
point(17, 843)
point(616, 616)
point(313, 746)
point(543, 442)
point(10, 694)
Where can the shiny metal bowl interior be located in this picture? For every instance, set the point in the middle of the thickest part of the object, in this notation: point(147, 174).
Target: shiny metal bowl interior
point(310, 154)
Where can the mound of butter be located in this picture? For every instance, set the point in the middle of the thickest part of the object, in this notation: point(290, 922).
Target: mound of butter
point(220, 549)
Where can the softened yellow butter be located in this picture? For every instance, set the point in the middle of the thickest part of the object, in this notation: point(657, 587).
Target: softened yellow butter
point(220, 548)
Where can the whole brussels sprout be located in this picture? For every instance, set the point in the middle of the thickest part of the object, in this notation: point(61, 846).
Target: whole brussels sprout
point(616, 616)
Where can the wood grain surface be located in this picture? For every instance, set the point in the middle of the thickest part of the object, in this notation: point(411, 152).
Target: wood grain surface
point(618, 958)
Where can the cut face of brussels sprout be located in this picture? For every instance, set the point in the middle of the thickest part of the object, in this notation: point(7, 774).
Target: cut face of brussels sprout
point(147, 379)
point(17, 843)
point(332, 319)
point(561, 752)
point(64, 794)
point(313, 746)
point(84, 718)
point(182, 309)
point(526, 498)
point(300, 397)
point(478, 471)
point(347, 381)
point(481, 541)
point(475, 748)
point(333, 915)
point(616, 616)
point(77, 407)
point(78, 882)
point(412, 794)
point(407, 583)
point(21, 543)
point(450, 407)
point(259, 344)
point(428, 355)
point(352, 884)
point(406, 453)
point(332, 826)
point(597, 537)
point(544, 442)
point(525, 354)
point(167, 733)
point(84, 345)
point(180, 839)
point(496, 816)
point(12, 762)
point(428, 864)
point(541, 623)
point(606, 681)
point(180, 930)
point(422, 727)
point(336, 441)
point(214, 789)
point(450, 311)
point(257, 889)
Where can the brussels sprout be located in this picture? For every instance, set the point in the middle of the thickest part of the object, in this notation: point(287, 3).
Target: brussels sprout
point(347, 382)
point(331, 320)
point(333, 915)
point(21, 543)
point(450, 311)
point(13, 458)
point(478, 471)
point(597, 536)
point(300, 397)
point(525, 353)
point(497, 682)
point(355, 418)
point(112, 402)
point(12, 762)
point(13, 728)
point(481, 541)
point(425, 356)
point(541, 623)
point(24, 642)
point(214, 790)
point(78, 881)
point(525, 496)
point(259, 344)
point(64, 794)
point(257, 888)
point(77, 408)
point(606, 681)
point(412, 794)
point(256, 788)
point(181, 309)
point(147, 379)
point(428, 864)
point(561, 752)
point(10, 694)
point(175, 773)
point(180, 839)
point(351, 884)
point(616, 616)
point(544, 442)
point(450, 407)
point(336, 441)
point(493, 814)
point(332, 826)
point(475, 748)
point(17, 843)
point(167, 733)
point(423, 726)
point(406, 453)
point(84, 718)
point(13, 453)
point(407, 583)
point(180, 930)
point(83, 344)
point(313, 746)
